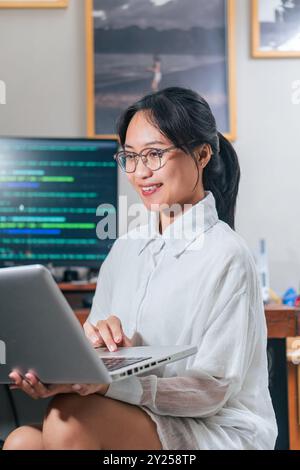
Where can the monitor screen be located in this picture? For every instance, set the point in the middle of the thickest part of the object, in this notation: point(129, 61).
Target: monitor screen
point(49, 193)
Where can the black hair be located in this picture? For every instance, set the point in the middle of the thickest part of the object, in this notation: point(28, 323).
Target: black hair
point(185, 118)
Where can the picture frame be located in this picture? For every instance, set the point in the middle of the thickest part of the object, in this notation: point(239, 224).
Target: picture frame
point(111, 87)
point(275, 28)
point(34, 4)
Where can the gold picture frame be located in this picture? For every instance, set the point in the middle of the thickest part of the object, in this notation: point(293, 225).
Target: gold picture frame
point(34, 4)
point(230, 59)
point(274, 42)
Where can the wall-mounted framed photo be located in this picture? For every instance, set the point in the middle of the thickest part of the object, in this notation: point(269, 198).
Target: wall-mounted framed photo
point(275, 28)
point(132, 51)
point(34, 3)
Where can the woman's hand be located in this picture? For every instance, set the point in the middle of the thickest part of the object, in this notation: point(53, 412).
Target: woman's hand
point(31, 385)
point(107, 333)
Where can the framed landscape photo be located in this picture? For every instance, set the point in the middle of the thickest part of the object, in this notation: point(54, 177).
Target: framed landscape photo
point(275, 28)
point(136, 47)
point(34, 3)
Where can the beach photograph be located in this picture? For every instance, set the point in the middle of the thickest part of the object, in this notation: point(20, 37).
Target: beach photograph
point(141, 46)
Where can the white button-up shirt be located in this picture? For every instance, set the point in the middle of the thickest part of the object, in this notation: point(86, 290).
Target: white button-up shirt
point(195, 286)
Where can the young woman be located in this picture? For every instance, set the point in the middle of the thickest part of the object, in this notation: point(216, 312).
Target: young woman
point(158, 288)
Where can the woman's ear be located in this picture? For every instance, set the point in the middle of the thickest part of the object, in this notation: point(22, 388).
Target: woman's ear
point(205, 154)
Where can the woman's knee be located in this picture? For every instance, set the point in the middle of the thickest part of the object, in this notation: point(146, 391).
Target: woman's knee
point(63, 424)
point(57, 426)
point(24, 438)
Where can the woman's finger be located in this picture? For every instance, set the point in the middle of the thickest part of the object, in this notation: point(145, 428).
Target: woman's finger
point(27, 388)
point(40, 389)
point(106, 334)
point(32, 386)
point(16, 378)
point(93, 334)
point(115, 326)
point(21, 384)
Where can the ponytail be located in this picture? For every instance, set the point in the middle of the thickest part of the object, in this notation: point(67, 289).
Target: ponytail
point(222, 176)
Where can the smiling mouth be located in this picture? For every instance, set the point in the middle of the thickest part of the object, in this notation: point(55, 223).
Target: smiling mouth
point(147, 190)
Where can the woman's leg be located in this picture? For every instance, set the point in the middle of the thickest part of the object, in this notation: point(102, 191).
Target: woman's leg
point(96, 422)
point(25, 438)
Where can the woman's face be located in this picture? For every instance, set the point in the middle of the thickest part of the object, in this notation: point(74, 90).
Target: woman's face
point(174, 182)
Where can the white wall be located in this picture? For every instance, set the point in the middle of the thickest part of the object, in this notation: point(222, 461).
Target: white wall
point(42, 61)
point(268, 136)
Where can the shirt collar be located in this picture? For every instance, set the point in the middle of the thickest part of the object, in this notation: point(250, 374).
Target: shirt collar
point(185, 228)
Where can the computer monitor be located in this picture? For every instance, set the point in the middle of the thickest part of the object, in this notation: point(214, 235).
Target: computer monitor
point(49, 193)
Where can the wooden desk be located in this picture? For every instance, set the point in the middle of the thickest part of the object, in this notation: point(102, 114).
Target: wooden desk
point(282, 322)
point(75, 293)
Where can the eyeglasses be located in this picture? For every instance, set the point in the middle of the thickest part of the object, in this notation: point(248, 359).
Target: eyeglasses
point(151, 158)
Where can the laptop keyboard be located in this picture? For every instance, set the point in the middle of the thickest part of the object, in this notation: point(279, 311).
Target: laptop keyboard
point(114, 363)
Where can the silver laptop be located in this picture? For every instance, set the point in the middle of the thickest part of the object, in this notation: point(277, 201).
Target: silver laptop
point(39, 332)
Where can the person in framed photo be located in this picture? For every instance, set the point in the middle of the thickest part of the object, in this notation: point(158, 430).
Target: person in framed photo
point(279, 27)
point(158, 288)
point(157, 75)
